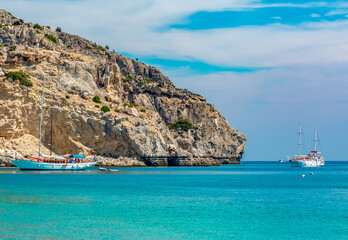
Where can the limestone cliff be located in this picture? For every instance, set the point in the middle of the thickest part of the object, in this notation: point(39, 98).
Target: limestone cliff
point(143, 103)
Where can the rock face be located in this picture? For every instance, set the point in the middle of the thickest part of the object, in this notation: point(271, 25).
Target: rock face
point(143, 103)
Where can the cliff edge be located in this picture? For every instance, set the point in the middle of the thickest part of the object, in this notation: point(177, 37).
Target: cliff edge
point(101, 102)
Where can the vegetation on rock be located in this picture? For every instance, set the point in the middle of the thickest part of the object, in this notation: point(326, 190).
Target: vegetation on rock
point(1, 46)
point(184, 125)
point(127, 79)
point(22, 77)
point(130, 105)
point(100, 48)
point(117, 110)
point(12, 48)
point(51, 38)
point(143, 110)
point(105, 109)
point(147, 80)
point(37, 26)
point(96, 99)
point(58, 29)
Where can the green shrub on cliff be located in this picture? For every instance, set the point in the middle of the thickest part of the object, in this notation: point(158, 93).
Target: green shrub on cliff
point(1, 46)
point(51, 38)
point(22, 77)
point(96, 99)
point(143, 110)
point(127, 79)
point(1, 26)
point(130, 105)
point(184, 125)
point(100, 48)
point(58, 29)
point(12, 48)
point(146, 80)
point(16, 23)
point(105, 109)
point(117, 110)
point(37, 26)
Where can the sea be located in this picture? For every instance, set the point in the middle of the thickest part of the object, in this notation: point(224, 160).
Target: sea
point(254, 200)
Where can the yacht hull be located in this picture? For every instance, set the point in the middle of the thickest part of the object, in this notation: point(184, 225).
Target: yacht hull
point(32, 165)
point(308, 163)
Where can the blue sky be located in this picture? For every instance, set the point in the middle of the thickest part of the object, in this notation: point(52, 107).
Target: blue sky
point(266, 65)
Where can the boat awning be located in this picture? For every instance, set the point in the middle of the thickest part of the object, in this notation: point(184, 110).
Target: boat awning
point(77, 156)
point(313, 151)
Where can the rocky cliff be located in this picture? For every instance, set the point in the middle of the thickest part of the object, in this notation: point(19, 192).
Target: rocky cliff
point(150, 121)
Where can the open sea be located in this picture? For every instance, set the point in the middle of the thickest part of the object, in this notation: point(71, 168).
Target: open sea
point(250, 201)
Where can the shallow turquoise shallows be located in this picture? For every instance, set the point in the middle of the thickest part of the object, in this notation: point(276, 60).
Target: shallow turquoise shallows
point(251, 201)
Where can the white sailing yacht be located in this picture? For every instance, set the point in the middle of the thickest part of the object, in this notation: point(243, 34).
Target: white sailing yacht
point(48, 162)
point(312, 159)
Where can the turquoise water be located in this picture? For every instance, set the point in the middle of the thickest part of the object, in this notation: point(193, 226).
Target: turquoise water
point(251, 201)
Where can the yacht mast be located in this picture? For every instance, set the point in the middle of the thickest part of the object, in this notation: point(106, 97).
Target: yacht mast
point(41, 120)
point(299, 142)
point(51, 143)
point(315, 139)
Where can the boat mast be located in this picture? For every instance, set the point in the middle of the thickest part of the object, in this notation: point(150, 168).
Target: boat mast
point(299, 141)
point(51, 134)
point(41, 120)
point(315, 139)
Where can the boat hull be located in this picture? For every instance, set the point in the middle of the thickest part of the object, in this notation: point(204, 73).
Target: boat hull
point(310, 163)
point(32, 165)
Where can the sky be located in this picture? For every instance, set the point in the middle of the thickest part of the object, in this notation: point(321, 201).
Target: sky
point(267, 65)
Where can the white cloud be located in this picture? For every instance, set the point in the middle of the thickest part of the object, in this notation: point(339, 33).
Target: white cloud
point(315, 15)
point(136, 27)
point(337, 12)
